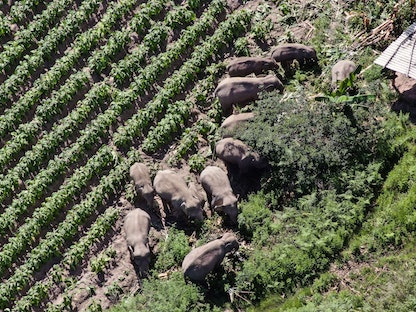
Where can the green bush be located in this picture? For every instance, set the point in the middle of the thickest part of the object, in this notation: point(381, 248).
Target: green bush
point(172, 250)
point(393, 222)
point(171, 295)
point(309, 143)
point(313, 230)
point(254, 215)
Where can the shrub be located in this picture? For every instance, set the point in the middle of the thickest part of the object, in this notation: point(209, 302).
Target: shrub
point(173, 294)
point(172, 250)
point(255, 217)
point(308, 143)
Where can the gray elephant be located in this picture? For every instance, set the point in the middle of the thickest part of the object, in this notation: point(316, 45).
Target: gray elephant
point(172, 188)
point(288, 52)
point(217, 185)
point(232, 121)
point(202, 260)
point(243, 66)
point(241, 90)
point(236, 152)
point(136, 227)
point(342, 70)
point(140, 175)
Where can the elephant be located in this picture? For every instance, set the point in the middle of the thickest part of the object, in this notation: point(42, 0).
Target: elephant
point(202, 260)
point(236, 152)
point(241, 90)
point(233, 121)
point(140, 175)
point(172, 188)
point(217, 185)
point(288, 52)
point(243, 66)
point(136, 227)
point(342, 70)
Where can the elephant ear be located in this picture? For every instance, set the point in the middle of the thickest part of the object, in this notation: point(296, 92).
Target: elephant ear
point(217, 203)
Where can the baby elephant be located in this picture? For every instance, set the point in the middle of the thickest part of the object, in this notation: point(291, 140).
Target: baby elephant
point(140, 175)
point(202, 260)
point(217, 185)
point(136, 227)
point(342, 70)
point(172, 188)
point(233, 121)
point(241, 90)
point(236, 152)
point(243, 66)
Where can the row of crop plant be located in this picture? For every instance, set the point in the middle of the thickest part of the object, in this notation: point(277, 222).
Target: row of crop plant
point(57, 239)
point(26, 37)
point(47, 81)
point(45, 112)
point(46, 47)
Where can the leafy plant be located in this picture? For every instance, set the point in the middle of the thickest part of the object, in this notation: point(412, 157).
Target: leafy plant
point(102, 261)
point(172, 250)
point(173, 294)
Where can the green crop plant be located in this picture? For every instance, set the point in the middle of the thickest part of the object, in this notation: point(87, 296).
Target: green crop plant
point(103, 260)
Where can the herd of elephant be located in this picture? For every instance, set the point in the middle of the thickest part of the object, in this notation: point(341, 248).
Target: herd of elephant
point(171, 187)
point(242, 86)
point(239, 88)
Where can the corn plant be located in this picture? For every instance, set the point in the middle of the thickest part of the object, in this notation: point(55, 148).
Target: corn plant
point(46, 46)
point(43, 215)
point(32, 159)
point(71, 258)
point(36, 30)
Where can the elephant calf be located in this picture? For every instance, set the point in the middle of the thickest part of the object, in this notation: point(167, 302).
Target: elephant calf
point(217, 185)
point(234, 120)
point(236, 152)
point(288, 52)
point(243, 66)
point(172, 188)
point(136, 227)
point(342, 70)
point(202, 260)
point(241, 90)
point(140, 175)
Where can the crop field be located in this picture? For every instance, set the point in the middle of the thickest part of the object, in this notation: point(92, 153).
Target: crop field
point(89, 87)
point(86, 86)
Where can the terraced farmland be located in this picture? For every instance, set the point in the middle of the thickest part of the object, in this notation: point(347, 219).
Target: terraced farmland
point(86, 88)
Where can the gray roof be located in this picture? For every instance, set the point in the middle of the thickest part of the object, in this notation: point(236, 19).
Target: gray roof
point(400, 56)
